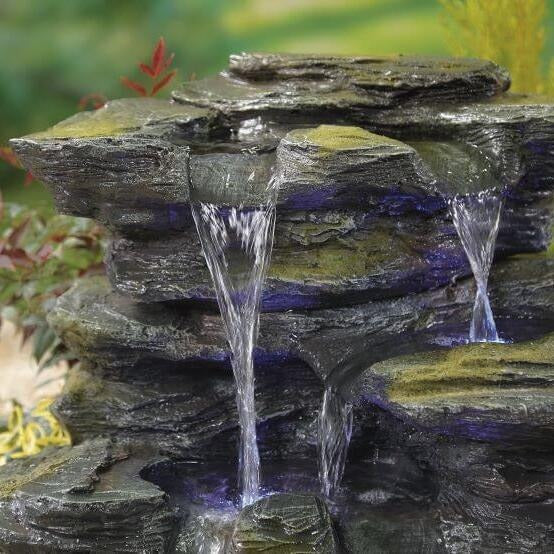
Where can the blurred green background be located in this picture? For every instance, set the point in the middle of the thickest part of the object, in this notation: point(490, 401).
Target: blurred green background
point(57, 51)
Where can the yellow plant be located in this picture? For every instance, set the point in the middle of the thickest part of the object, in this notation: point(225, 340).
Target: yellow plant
point(26, 437)
point(509, 32)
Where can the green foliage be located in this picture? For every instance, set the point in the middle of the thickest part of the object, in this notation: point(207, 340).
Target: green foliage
point(40, 257)
point(510, 32)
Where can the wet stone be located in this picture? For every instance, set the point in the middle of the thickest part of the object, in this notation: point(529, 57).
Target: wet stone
point(295, 523)
point(113, 332)
point(369, 293)
point(278, 84)
point(191, 411)
point(355, 246)
point(60, 501)
point(490, 392)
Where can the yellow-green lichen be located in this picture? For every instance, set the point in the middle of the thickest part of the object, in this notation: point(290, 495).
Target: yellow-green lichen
point(116, 118)
point(18, 473)
point(465, 370)
point(331, 138)
point(342, 258)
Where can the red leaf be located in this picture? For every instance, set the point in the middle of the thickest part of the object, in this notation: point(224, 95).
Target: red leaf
point(15, 236)
point(20, 258)
point(29, 178)
point(161, 84)
point(146, 69)
point(45, 252)
point(158, 57)
point(168, 62)
point(133, 86)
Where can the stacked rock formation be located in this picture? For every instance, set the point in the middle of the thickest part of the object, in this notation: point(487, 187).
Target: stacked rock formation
point(452, 450)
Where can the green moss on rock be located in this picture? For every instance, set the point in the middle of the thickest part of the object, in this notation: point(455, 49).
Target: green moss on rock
point(120, 117)
point(348, 257)
point(331, 138)
point(469, 369)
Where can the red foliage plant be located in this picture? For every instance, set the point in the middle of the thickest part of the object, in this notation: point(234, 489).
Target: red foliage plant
point(157, 71)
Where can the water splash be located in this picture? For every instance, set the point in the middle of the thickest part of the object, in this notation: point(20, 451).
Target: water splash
point(237, 243)
point(334, 433)
point(477, 218)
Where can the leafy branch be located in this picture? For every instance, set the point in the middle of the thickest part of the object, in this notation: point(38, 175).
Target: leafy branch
point(157, 71)
point(40, 258)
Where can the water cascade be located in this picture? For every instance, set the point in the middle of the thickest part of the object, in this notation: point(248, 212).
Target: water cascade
point(334, 433)
point(469, 179)
point(368, 298)
point(237, 242)
point(476, 218)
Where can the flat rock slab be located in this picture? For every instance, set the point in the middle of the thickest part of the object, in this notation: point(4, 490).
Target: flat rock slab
point(333, 259)
point(275, 83)
point(110, 330)
point(287, 523)
point(341, 166)
point(488, 392)
point(62, 500)
point(110, 156)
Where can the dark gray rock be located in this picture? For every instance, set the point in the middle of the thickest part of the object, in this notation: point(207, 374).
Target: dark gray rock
point(521, 292)
point(190, 412)
point(282, 84)
point(492, 392)
point(386, 530)
point(112, 331)
point(116, 157)
point(292, 523)
point(87, 498)
point(338, 256)
point(481, 495)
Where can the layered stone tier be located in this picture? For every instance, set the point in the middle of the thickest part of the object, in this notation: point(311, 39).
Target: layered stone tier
point(369, 294)
point(343, 190)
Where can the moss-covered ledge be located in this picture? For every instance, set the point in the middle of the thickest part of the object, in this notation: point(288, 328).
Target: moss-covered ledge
point(485, 391)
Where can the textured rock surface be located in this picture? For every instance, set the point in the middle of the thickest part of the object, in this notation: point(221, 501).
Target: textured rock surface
point(111, 331)
point(191, 411)
point(116, 157)
point(496, 392)
point(451, 452)
point(354, 247)
point(62, 500)
point(283, 85)
point(286, 523)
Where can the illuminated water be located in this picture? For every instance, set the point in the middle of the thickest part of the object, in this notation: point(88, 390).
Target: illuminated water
point(334, 433)
point(236, 241)
point(476, 218)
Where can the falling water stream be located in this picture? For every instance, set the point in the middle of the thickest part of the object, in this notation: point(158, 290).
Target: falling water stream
point(334, 433)
point(470, 179)
point(476, 218)
point(236, 242)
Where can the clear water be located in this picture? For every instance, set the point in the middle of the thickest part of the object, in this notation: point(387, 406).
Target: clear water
point(477, 218)
point(237, 243)
point(334, 433)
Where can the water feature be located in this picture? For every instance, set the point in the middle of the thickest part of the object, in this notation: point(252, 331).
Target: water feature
point(476, 218)
point(334, 432)
point(469, 179)
point(236, 234)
